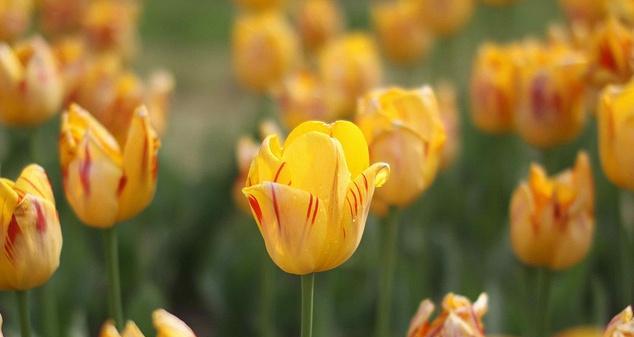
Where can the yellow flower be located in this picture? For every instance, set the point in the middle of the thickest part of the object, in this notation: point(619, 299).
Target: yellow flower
point(318, 21)
point(552, 95)
point(103, 183)
point(15, 18)
point(445, 17)
point(616, 134)
point(260, 5)
point(552, 219)
point(587, 12)
point(300, 98)
point(349, 66)
point(111, 26)
point(458, 318)
point(130, 330)
point(493, 88)
point(31, 236)
point(265, 49)
point(61, 16)
point(581, 331)
point(71, 54)
point(168, 325)
point(611, 53)
point(450, 116)
point(30, 83)
point(622, 325)
point(622, 9)
point(158, 97)
point(404, 38)
point(403, 129)
point(310, 196)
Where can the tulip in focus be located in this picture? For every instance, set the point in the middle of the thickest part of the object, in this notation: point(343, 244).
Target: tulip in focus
point(458, 318)
point(318, 21)
point(61, 16)
point(15, 18)
point(265, 50)
point(611, 53)
point(310, 196)
point(622, 325)
point(260, 5)
point(445, 17)
point(31, 236)
point(552, 218)
point(581, 331)
point(110, 26)
point(450, 116)
point(106, 182)
point(301, 98)
point(349, 66)
point(30, 83)
point(403, 129)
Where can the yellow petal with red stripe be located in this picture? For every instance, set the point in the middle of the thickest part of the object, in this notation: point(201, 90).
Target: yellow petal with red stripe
point(34, 180)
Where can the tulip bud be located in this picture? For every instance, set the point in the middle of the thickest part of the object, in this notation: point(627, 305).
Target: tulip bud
point(158, 98)
point(349, 67)
point(130, 330)
point(30, 83)
point(310, 196)
point(450, 117)
point(396, 22)
point(260, 5)
point(403, 129)
point(168, 325)
point(445, 17)
point(61, 16)
point(111, 26)
point(103, 183)
point(30, 234)
point(622, 325)
point(611, 53)
point(300, 98)
point(458, 318)
point(581, 331)
point(265, 49)
point(15, 18)
point(552, 219)
point(318, 21)
point(586, 12)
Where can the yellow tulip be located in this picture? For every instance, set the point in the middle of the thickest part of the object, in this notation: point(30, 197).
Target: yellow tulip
point(622, 9)
point(552, 219)
point(493, 88)
point(404, 38)
point(622, 325)
point(458, 318)
point(111, 26)
point(587, 12)
point(581, 331)
point(31, 236)
point(71, 54)
point(130, 330)
point(310, 195)
point(349, 66)
point(30, 83)
point(318, 21)
point(260, 5)
point(265, 49)
point(445, 17)
point(168, 325)
point(552, 95)
point(61, 16)
point(300, 98)
point(611, 53)
point(158, 97)
point(403, 129)
point(15, 18)
point(616, 134)
point(450, 116)
point(103, 183)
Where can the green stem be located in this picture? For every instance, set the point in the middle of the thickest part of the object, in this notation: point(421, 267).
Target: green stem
point(308, 294)
point(25, 314)
point(112, 263)
point(267, 292)
point(541, 302)
point(390, 228)
point(50, 316)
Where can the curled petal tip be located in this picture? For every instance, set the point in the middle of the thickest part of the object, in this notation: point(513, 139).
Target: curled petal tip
point(142, 111)
point(382, 171)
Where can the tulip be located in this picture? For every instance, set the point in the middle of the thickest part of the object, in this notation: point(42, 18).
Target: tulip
point(111, 26)
point(15, 18)
point(30, 83)
point(349, 67)
point(445, 17)
point(493, 88)
point(61, 16)
point(458, 318)
point(552, 95)
point(611, 53)
point(158, 98)
point(404, 129)
point(616, 134)
point(587, 12)
point(71, 54)
point(300, 98)
point(396, 22)
point(104, 184)
point(168, 325)
point(31, 235)
point(131, 330)
point(450, 116)
point(260, 5)
point(552, 219)
point(581, 331)
point(622, 325)
point(265, 49)
point(622, 9)
point(318, 21)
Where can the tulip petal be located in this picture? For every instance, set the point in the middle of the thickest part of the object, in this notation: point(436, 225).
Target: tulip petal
point(267, 165)
point(33, 180)
point(421, 318)
point(140, 164)
point(109, 330)
point(8, 202)
point(168, 325)
point(131, 330)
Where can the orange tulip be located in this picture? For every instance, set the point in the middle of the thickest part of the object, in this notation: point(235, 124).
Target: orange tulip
point(587, 12)
point(71, 54)
point(445, 17)
point(61, 16)
point(622, 325)
point(611, 53)
point(301, 98)
point(15, 18)
point(318, 21)
point(450, 116)
point(458, 318)
point(111, 26)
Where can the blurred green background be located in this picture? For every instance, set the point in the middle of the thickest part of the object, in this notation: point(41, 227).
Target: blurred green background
point(193, 253)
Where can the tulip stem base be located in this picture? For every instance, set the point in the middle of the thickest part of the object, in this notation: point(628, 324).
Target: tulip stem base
point(543, 281)
point(25, 314)
point(308, 295)
point(386, 278)
point(114, 283)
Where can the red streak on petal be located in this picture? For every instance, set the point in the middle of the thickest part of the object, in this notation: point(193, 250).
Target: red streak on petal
point(123, 181)
point(350, 207)
point(12, 234)
point(34, 186)
point(277, 173)
point(312, 222)
point(606, 58)
point(255, 206)
point(358, 190)
point(365, 181)
point(356, 208)
point(40, 221)
point(310, 206)
point(276, 207)
point(84, 172)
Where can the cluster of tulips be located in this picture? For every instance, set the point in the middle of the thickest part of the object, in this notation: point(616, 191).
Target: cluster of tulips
point(108, 142)
point(310, 191)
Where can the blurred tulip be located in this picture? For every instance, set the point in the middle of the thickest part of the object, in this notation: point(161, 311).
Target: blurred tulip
point(104, 184)
point(622, 325)
point(581, 331)
point(349, 66)
point(405, 40)
point(310, 196)
point(111, 26)
point(30, 83)
point(260, 5)
point(493, 88)
point(403, 129)
point(586, 12)
point(31, 236)
point(458, 318)
point(622, 9)
point(301, 98)
point(61, 16)
point(552, 107)
point(445, 17)
point(616, 134)
point(71, 54)
point(552, 219)
point(450, 116)
point(319, 21)
point(158, 97)
point(265, 49)
point(611, 53)
point(168, 325)
point(15, 18)
point(131, 330)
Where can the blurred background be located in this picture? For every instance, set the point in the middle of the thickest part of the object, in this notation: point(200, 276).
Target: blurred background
point(194, 253)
